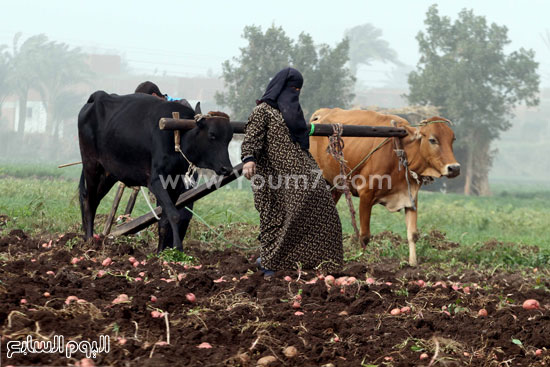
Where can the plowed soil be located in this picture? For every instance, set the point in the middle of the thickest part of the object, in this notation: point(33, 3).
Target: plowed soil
point(239, 317)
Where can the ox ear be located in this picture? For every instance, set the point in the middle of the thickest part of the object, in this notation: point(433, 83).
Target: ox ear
point(200, 123)
point(198, 108)
point(413, 132)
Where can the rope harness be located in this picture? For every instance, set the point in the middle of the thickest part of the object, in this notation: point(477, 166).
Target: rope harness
point(366, 158)
point(149, 203)
point(336, 149)
point(192, 169)
point(188, 178)
point(403, 162)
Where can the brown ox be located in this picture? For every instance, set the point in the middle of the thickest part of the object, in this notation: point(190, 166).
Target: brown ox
point(379, 180)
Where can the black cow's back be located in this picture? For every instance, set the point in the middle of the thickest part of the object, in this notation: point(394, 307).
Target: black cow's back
point(121, 134)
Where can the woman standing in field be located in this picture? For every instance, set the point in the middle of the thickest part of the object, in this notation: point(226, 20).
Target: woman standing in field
point(299, 223)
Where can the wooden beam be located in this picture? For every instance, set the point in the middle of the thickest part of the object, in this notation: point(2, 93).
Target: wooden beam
point(359, 130)
point(319, 130)
point(166, 123)
point(69, 164)
point(132, 200)
point(112, 213)
point(186, 198)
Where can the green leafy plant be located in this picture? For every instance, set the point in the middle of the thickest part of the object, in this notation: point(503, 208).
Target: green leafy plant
point(173, 255)
point(456, 308)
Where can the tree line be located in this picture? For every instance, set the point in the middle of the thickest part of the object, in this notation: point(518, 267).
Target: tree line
point(329, 72)
point(463, 70)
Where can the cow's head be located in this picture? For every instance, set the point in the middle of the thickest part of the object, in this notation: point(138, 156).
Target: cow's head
point(207, 144)
point(435, 156)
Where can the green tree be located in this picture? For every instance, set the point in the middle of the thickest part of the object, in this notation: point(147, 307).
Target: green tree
point(464, 70)
point(327, 81)
point(366, 46)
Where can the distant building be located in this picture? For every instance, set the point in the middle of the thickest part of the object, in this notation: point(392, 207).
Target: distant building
point(36, 114)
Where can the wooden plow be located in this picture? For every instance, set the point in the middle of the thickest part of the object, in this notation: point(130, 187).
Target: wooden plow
point(215, 183)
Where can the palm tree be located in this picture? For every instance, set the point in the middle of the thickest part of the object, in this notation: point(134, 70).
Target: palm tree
point(366, 45)
point(4, 72)
point(24, 63)
point(60, 70)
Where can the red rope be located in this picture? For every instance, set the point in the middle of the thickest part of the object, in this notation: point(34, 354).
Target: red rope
point(336, 149)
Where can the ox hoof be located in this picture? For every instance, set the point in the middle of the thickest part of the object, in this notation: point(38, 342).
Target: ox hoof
point(365, 241)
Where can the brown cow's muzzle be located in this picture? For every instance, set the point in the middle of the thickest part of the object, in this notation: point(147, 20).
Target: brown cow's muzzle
point(452, 170)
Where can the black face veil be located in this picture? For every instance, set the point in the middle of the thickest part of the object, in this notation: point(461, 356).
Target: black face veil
point(281, 93)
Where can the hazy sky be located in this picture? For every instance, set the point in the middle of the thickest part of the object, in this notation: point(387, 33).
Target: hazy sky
point(193, 37)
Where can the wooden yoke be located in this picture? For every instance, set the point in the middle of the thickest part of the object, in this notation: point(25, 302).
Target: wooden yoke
point(317, 130)
point(177, 124)
point(167, 123)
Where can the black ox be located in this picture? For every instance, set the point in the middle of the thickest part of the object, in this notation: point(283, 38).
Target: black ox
point(120, 140)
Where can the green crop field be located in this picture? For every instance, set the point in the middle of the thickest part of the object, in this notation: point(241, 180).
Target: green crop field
point(515, 220)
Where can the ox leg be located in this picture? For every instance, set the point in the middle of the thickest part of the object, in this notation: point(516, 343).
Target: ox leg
point(186, 216)
point(186, 213)
point(336, 195)
point(165, 234)
point(365, 208)
point(169, 214)
point(412, 234)
point(165, 231)
point(94, 185)
point(87, 216)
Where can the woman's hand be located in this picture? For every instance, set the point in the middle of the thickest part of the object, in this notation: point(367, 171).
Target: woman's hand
point(249, 169)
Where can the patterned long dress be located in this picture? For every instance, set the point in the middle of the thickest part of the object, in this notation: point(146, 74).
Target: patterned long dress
point(299, 223)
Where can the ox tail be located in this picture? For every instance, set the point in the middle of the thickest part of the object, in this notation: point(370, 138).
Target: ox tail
point(82, 191)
